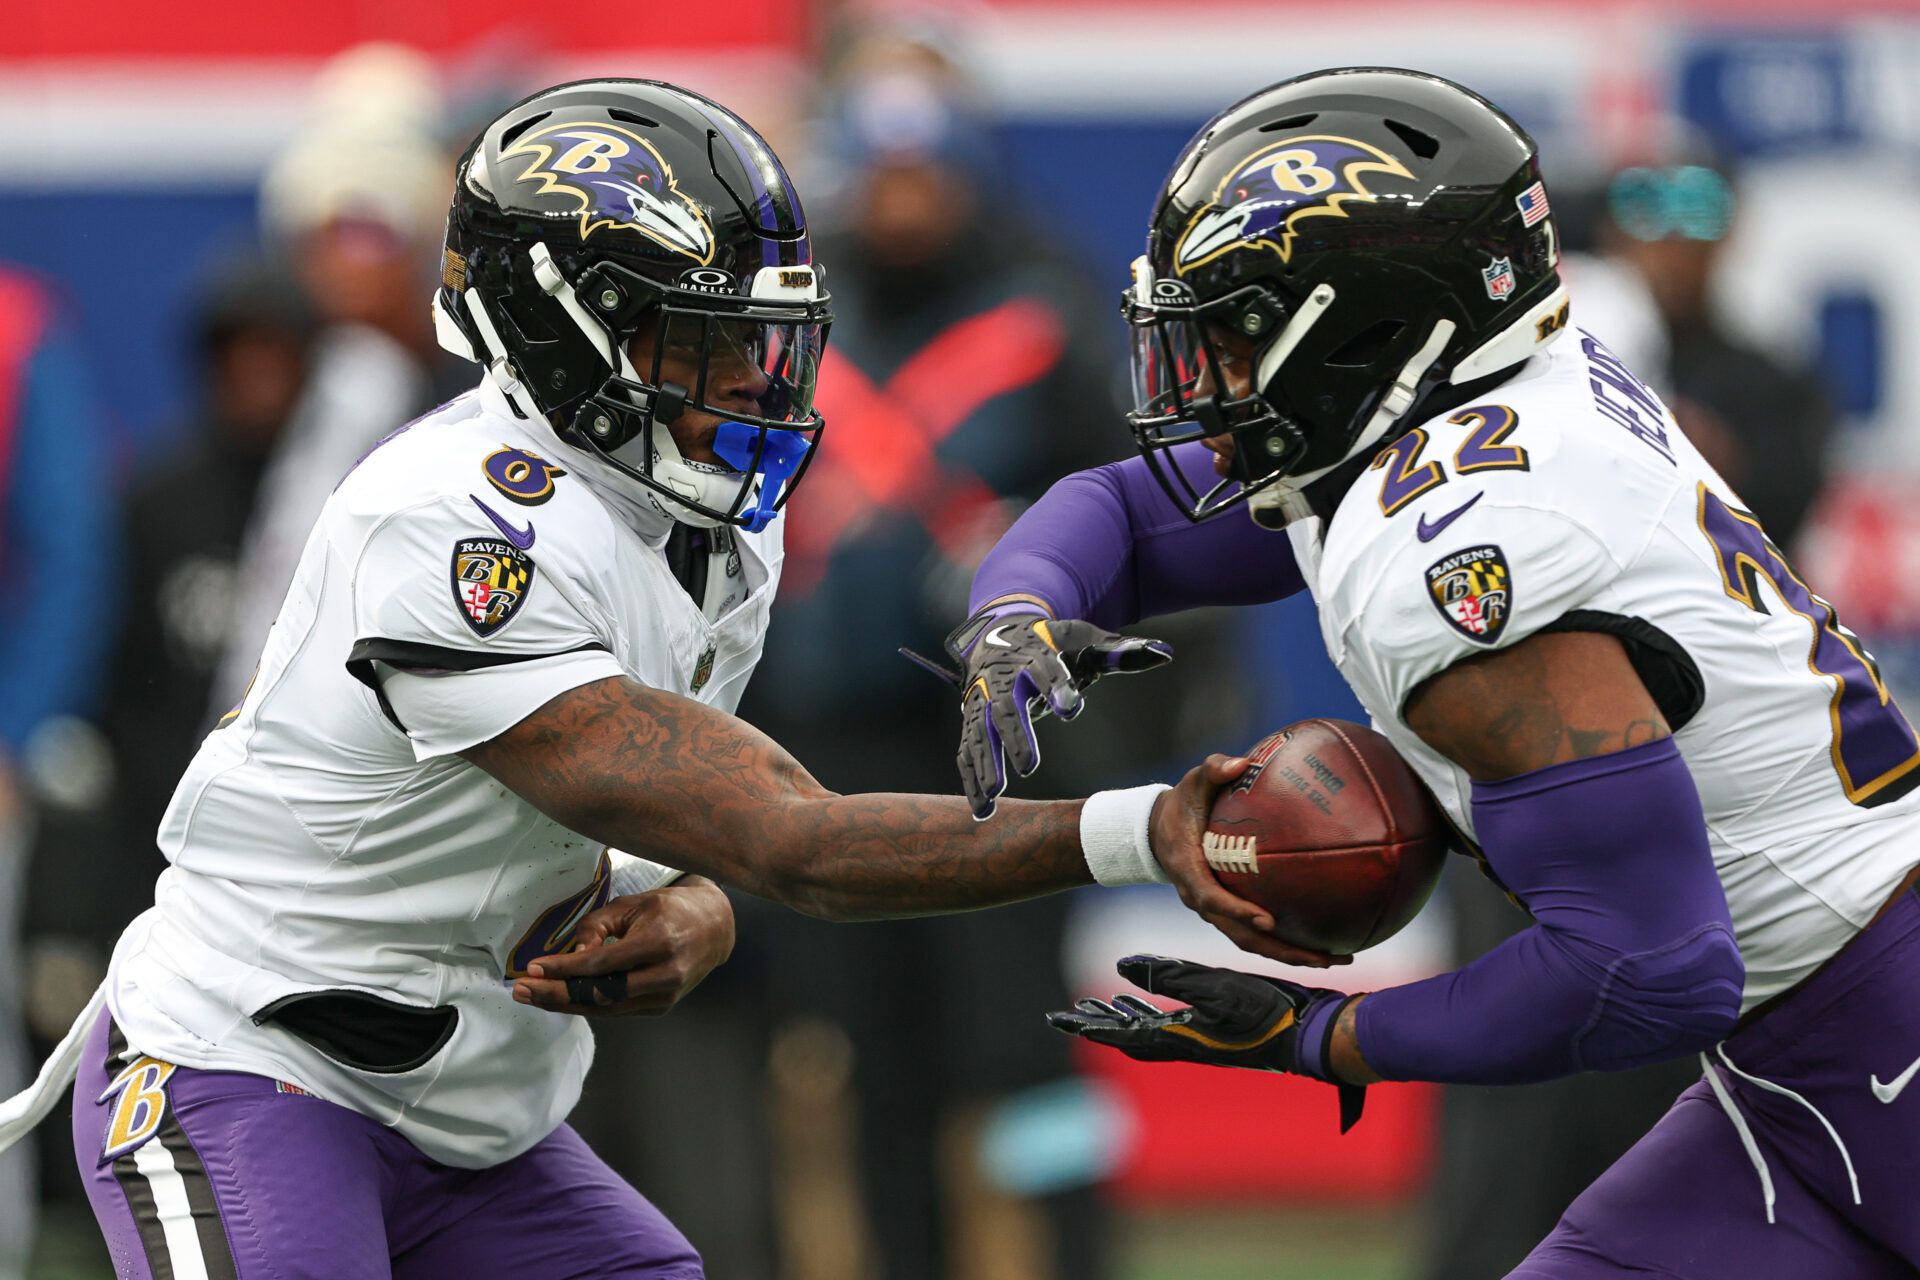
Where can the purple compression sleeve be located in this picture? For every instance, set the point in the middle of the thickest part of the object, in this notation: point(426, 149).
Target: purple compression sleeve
point(1632, 958)
point(1109, 546)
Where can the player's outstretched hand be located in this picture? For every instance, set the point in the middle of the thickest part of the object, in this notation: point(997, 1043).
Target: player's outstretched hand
point(639, 954)
point(1233, 1019)
point(1017, 666)
point(1178, 824)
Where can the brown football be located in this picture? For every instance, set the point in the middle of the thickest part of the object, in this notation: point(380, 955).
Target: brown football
point(1330, 831)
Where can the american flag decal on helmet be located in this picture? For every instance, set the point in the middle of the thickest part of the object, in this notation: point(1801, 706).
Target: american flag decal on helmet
point(1533, 204)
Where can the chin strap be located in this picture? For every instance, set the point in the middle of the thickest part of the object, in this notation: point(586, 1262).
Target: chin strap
point(1285, 501)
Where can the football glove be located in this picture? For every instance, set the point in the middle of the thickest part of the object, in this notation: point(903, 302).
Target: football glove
point(1233, 1019)
point(1014, 666)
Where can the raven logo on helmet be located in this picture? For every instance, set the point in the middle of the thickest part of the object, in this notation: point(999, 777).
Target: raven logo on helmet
point(1259, 204)
point(620, 181)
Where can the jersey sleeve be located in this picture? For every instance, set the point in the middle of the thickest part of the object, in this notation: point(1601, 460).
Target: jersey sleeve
point(1501, 574)
point(462, 631)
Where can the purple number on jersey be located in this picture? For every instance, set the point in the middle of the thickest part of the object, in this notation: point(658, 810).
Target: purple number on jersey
point(1483, 449)
point(1875, 751)
point(1407, 477)
point(1406, 481)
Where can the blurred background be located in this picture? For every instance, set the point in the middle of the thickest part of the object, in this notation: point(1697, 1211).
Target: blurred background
point(217, 236)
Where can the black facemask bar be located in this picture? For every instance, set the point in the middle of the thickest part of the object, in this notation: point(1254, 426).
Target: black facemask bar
point(751, 363)
point(1195, 378)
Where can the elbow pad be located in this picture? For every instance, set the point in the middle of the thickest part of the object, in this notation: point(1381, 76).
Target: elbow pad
point(1632, 958)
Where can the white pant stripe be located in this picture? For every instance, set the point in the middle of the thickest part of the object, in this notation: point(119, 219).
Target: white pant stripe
point(155, 1163)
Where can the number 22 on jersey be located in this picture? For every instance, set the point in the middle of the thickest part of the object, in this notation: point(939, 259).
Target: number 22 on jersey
point(1874, 749)
point(1484, 449)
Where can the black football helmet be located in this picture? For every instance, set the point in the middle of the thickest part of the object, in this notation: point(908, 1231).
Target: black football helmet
point(597, 211)
point(1323, 257)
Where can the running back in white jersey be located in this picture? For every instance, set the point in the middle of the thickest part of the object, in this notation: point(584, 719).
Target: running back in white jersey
point(328, 836)
point(1570, 500)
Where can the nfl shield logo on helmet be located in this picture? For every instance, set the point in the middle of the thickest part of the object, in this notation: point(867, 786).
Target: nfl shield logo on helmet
point(491, 579)
point(1473, 590)
point(1499, 278)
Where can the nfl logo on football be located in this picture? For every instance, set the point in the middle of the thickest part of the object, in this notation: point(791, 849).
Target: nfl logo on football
point(1498, 275)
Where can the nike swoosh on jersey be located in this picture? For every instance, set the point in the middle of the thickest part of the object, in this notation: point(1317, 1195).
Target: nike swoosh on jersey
point(1428, 532)
point(521, 538)
point(1889, 1091)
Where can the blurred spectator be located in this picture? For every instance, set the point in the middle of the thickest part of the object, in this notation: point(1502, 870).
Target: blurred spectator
point(1764, 426)
point(184, 520)
point(967, 371)
point(357, 204)
point(56, 536)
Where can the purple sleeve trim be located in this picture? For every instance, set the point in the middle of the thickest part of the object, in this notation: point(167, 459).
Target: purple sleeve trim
point(1632, 959)
point(1109, 546)
point(1316, 1035)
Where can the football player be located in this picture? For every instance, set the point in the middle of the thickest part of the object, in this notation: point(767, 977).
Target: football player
point(338, 1045)
point(1355, 370)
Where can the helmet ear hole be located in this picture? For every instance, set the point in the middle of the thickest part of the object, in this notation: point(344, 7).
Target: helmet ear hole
point(1368, 346)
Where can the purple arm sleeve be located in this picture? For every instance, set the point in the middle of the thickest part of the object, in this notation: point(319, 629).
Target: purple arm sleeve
point(1109, 546)
point(1632, 958)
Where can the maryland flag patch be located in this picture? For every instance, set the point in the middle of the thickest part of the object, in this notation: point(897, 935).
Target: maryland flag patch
point(1473, 590)
point(491, 579)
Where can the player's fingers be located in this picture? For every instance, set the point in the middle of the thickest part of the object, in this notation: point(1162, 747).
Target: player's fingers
point(1219, 770)
point(1126, 655)
point(1013, 722)
point(1211, 898)
point(1161, 975)
point(642, 944)
point(552, 994)
point(1054, 677)
point(623, 918)
point(1140, 1008)
point(981, 771)
point(1101, 1009)
point(1074, 1024)
point(978, 760)
point(1265, 944)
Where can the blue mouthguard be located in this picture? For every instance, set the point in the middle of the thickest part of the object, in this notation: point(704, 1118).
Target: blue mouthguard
point(779, 458)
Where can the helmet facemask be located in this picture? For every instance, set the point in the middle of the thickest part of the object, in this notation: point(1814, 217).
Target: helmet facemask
point(1204, 370)
point(751, 362)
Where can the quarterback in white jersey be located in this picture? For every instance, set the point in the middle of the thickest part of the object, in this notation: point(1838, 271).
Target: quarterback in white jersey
point(344, 1040)
point(1349, 325)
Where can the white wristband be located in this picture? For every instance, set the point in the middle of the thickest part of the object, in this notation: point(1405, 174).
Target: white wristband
point(1114, 836)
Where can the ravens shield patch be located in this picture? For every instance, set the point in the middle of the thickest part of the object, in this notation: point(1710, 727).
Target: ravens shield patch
point(1473, 590)
point(491, 579)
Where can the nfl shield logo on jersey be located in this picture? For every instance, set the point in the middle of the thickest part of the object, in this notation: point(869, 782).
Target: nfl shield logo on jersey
point(1498, 275)
point(1473, 591)
point(491, 579)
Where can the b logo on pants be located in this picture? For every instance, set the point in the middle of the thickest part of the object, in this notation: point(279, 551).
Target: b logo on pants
point(141, 1108)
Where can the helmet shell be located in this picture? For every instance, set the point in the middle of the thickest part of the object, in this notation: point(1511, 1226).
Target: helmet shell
point(1413, 199)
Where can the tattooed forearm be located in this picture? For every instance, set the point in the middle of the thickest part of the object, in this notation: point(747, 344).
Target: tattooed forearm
point(673, 780)
point(1548, 699)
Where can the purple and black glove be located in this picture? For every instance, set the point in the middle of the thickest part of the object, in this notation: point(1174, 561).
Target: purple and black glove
point(1233, 1019)
point(1014, 664)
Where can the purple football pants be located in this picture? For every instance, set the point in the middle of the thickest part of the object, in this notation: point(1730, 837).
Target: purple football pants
point(221, 1175)
point(1796, 1156)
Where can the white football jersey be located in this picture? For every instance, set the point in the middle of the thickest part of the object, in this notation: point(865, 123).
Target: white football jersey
point(328, 837)
point(1570, 500)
